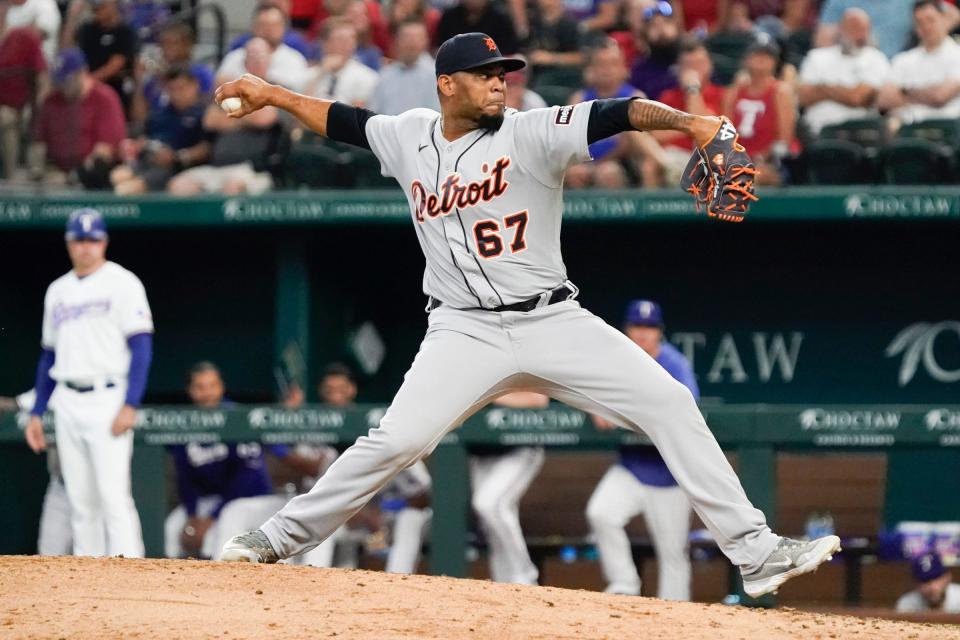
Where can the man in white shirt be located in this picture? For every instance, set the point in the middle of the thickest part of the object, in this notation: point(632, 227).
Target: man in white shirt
point(924, 82)
point(340, 76)
point(97, 345)
point(42, 15)
point(287, 66)
point(934, 590)
point(410, 82)
point(841, 82)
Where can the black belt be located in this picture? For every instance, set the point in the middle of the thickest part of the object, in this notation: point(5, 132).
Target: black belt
point(561, 293)
point(86, 389)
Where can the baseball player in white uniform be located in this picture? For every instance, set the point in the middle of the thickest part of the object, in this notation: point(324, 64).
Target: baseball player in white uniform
point(97, 346)
point(641, 483)
point(499, 477)
point(55, 537)
point(485, 188)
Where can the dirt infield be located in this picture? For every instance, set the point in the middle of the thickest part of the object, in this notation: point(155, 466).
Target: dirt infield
point(114, 598)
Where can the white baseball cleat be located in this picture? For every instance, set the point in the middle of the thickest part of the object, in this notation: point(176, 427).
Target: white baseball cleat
point(790, 559)
point(251, 546)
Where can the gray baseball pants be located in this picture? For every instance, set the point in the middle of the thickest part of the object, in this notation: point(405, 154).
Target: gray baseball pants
point(469, 357)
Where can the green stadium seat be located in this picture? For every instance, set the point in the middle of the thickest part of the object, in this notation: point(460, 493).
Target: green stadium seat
point(554, 95)
point(727, 51)
point(366, 171)
point(940, 131)
point(837, 162)
point(317, 164)
point(916, 161)
point(869, 133)
point(557, 75)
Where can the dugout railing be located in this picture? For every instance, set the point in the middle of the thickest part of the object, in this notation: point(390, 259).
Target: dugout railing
point(755, 433)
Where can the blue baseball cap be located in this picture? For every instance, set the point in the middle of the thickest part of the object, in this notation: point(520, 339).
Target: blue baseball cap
point(927, 567)
point(86, 224)
point(69, 62)
point(469, 51)
point(645, 313)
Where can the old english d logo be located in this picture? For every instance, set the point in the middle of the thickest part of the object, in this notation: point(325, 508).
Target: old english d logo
point(490, 44)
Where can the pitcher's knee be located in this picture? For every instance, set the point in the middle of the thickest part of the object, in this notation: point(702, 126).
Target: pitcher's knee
point(486, 505)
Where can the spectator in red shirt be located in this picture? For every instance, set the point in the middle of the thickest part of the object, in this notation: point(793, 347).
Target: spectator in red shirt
point(80, 124)
point(21, 65)
point(763, 108)
point(696, 94)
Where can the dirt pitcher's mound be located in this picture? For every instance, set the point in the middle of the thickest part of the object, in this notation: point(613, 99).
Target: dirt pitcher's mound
point(117, 598)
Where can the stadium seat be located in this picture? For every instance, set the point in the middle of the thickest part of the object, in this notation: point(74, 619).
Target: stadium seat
point(558, 75)
point(940, 131)
point(837, 162)
point(869, 133)
point(315, 163)
point(553, 94)
point(366, 171)
point(727, 51)
point(916, 161)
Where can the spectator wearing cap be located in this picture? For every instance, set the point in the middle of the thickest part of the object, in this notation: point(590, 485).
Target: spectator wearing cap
point(42, 16)
point(285, 66)
point(696, 94)
point(658, 38)
point(934, 591)
point(763, 109)
point(410, 81)
point(339, 75)
point(641, 483)
point(22, 68)
point(478, 16)
point(108, 42)
point(80, 124)
point(176, 41)
point(924, 82)
point(554, 38)
point(840, 83)
point(174, 139)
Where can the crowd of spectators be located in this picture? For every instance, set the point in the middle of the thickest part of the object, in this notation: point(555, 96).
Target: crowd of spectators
point(110, 94)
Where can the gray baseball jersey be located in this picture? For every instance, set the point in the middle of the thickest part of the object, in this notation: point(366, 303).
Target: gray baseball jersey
point(486, 206)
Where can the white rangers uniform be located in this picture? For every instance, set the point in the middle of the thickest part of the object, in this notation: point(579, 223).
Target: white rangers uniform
point(86, 322)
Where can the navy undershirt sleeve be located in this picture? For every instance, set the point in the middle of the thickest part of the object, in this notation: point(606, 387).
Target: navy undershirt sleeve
point(607, 118)
point(141, 353)
point(348, 124)
point(44, 384)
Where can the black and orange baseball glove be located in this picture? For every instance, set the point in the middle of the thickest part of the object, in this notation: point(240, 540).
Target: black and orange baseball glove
point(720, 176)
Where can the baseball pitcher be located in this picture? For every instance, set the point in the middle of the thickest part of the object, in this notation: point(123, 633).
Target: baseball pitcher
point(485, 188)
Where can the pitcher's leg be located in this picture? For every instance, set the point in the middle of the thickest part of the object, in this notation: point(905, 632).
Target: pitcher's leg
point(452, 376)
point(668, 519)
point(496, 502)
point(617, 499)
point(600, 370)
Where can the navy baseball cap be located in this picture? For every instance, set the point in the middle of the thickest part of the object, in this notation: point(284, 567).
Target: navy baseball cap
point(86, 224)
point(927, 567)
point(645, 313)
point(469, 51)
point(69, 61)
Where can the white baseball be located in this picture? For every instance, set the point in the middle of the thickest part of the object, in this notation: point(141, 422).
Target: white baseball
point(231, 104)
